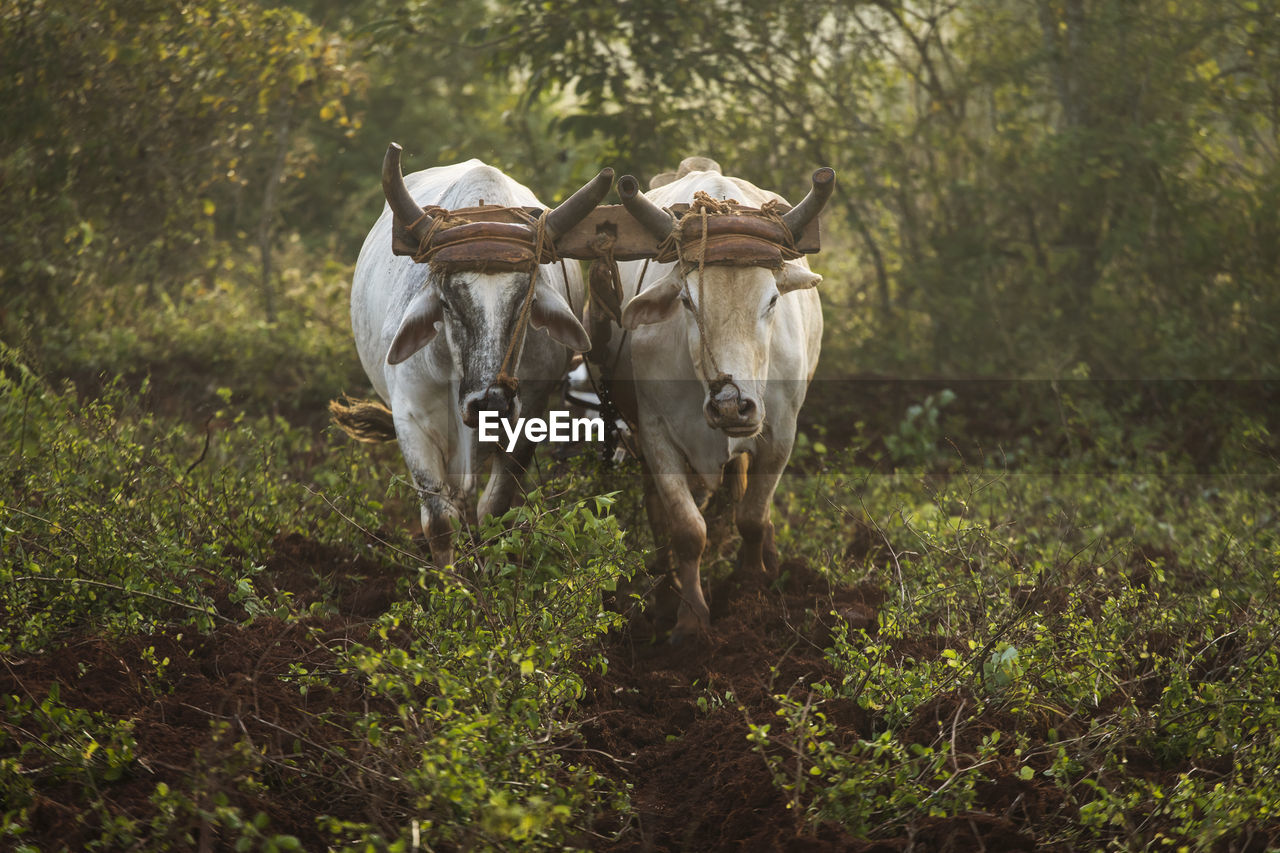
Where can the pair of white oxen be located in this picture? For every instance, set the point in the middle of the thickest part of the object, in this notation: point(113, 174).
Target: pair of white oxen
point(718, 356)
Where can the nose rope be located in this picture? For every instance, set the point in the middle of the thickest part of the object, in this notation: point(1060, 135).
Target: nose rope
point(781, 243)
point(506, 377)
point(544, 250)
point(703, 204)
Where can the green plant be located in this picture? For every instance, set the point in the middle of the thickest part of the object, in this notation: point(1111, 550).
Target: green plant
point(115, 518)
point(488, 660)
point(916, 441)
point(1126, 622)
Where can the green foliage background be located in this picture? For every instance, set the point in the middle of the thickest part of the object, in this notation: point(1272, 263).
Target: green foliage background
point(1061, 190)
point(1040, 188)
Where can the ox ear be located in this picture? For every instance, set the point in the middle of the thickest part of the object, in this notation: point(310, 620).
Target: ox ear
point(418, 326)
point(552, 313)
point(795, 277)
point(655, 303)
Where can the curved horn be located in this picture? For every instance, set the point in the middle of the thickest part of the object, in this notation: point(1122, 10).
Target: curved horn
point(797, 218)
point(402, 204)
point(655, 220)
point(576, 207)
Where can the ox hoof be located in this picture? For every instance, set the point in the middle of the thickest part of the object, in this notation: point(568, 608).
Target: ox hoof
point(689, 634)
point(751, 575)
point(683, 638)
point(756, 559)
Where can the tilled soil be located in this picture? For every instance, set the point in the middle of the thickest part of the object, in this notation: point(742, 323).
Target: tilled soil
point(670, 722)
point(237, 684)
point(230, 686)
point(698, 783)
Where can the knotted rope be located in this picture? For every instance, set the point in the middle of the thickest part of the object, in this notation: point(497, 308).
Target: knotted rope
point(540, 244)
point(531, 237)
point(440, 219)
point(604, 280)
point(604, 288)
point(779, 243)
point(703, 204)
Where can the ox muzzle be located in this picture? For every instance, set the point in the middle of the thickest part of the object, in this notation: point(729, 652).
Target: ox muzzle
point(499, 399)
point(733, 412)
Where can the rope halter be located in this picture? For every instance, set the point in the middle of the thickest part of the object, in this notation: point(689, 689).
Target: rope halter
point(486, 239)
point(490, 239)
point(723, 232)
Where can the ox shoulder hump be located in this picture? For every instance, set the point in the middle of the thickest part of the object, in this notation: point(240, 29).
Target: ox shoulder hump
point(697, 164)
point(482, 171)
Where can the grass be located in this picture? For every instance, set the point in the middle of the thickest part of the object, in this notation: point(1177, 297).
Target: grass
point(1086, 655)
point(1102, 645)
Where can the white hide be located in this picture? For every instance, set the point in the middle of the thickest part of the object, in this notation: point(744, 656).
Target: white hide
point(684, 455)
point(442, 453)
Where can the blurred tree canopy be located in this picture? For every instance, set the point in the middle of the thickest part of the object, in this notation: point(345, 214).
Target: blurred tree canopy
point(138, 134)
point(1037, 187)
point(1026, 187)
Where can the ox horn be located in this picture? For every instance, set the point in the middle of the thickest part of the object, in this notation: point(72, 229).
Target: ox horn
point(575, 208)
point(798, 218)
point(655, 220)
point(402, 204)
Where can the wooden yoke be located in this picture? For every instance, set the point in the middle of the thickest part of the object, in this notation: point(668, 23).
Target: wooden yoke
point(487, 237)
point(502, 236)
point(632, 242)
point(492, 237)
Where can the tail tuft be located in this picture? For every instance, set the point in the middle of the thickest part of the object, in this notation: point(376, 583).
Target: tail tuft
point(363, 420)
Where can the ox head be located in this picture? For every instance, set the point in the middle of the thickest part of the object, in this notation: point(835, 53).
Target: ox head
point(728, 309)
point(480, 305)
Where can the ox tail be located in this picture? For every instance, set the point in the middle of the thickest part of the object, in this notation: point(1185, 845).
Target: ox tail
point(363, 420)
point(735, 470)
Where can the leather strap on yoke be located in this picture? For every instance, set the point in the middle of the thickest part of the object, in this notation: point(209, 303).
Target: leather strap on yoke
point(734, 235)
point(488, 238)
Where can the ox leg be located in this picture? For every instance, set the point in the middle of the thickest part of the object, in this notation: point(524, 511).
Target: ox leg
point(688, 536)
point(758, 553)
point(423, 454)
point(440, 517)
point(508, 469)
point(504, 479)
point(666, 599)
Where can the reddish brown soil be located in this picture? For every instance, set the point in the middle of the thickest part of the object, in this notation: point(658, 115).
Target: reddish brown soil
point(235, 685)
point(219, 689)
point(696, 781)
point(359, 587)
point(699, 784)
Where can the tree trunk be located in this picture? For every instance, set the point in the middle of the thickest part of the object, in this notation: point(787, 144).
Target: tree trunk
point(1080, 226)
point(266, 220)
point(882, 275)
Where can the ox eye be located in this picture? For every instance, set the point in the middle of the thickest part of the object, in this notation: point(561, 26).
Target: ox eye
point(773, 303)
point(686, 301)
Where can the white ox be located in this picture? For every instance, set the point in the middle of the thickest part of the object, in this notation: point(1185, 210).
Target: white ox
point(764, 330)
point(437, 385)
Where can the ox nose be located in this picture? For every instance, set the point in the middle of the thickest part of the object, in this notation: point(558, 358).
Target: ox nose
point(731, 408)
point(494, 399)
